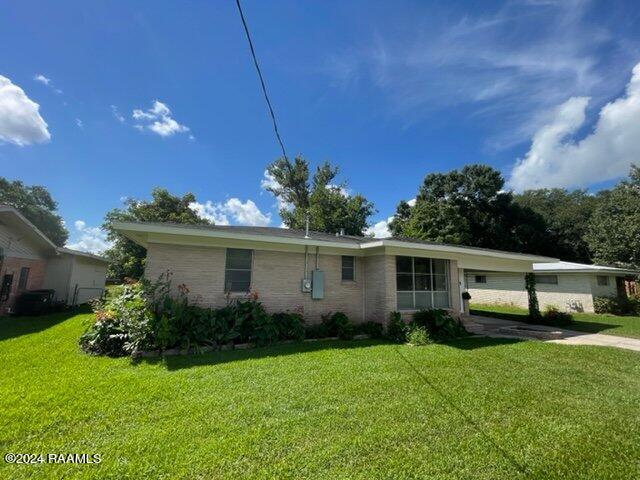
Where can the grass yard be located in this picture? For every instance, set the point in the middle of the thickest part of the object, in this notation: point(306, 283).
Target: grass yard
point(584, 322)
point(476, 408)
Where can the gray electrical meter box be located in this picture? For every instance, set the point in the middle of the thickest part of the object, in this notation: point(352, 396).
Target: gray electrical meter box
point(306, 285)
point(317, 291)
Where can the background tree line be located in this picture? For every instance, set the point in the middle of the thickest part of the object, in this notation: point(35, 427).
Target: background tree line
point(467, 207)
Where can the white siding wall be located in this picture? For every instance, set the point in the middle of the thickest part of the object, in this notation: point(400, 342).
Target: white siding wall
point(15, 245)
point(89, 275)
point(502, 288)
point(574, 291)
point(57, 275)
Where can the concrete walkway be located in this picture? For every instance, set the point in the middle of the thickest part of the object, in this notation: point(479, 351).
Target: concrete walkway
point(498, 328)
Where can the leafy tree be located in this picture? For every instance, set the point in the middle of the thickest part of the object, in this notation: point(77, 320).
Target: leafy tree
point(567, 216)
point(327, 205)
point(614, 233)
point(469, 207)
point(126, 257)
point(37, 205)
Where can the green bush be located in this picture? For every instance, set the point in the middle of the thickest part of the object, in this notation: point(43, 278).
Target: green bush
point(553, 316)
point(418, 336)
point(290, 325)
point(337, 325)
point(440, 325)
point(373, 329)
point(396, 329)
point(317, 330)
point(620, 305)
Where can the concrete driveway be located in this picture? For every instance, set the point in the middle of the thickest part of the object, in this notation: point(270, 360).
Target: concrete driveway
point(498, 328)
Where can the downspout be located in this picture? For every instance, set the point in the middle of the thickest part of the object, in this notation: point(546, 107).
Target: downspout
point(317, 253)
point(306, 262)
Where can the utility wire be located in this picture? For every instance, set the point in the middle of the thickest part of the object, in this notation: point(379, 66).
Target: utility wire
point(264, 88)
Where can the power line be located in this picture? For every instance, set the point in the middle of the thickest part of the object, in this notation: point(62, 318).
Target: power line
point(264, 88)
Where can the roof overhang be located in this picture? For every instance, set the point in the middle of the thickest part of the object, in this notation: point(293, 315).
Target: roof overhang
point(18, 222)
point(467, 257)
point(78, 253)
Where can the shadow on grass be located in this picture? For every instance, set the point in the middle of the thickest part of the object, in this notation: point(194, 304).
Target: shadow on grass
point(177, 362)
point(12, 327)
point(579, 325)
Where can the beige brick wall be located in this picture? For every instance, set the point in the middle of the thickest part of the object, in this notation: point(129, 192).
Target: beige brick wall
point(380, 295)
point(573, 291)
point(276, 278)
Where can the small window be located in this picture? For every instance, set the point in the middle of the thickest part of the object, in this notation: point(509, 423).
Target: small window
point(348, 268)
point(547, 279)
point(481, 279)
point(24, 278)
point(238, 270)
point(603, 281)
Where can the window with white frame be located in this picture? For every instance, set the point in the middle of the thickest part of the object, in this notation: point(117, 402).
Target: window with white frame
point(603, 281)
point(348, 268)
point(421, 283)
point(481, 279)
point(237, 276)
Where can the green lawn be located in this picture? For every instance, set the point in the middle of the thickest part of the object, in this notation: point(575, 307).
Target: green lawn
point(477, 408)
point(584, 322)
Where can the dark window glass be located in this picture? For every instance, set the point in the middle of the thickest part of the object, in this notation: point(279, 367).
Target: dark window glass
point(603, 281)
point(423, 282)
point(405, 282)
point(404, 265)
point(547, 279)
point(238, 270)
point(421, 265)
point(481, 279)
point(348, 268)
point(24, 278)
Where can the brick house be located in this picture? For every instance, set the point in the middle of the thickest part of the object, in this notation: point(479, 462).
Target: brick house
point(364, 277)
point(30, 261)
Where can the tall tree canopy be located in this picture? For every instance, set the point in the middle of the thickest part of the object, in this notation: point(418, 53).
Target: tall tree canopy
point(330, 209)
point(126, 257)
point(567, 216)
point(614, 232)
point(469, 207)
point(37, 205)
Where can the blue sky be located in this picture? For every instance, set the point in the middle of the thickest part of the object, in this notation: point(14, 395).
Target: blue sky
point(545, 91)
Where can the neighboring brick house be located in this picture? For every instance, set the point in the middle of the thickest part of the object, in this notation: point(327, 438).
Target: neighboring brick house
point(565, 285)
point(30, 261)
point(367, 278)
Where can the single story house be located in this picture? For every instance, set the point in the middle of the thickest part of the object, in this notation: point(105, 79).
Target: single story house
point(565, 285)
point(30, 261)
point(366, 278)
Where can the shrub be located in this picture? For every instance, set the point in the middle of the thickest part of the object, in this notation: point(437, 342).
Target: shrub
point(105, 337)
point(440, 325)
point(373, 329)
point(620, 305)
point(396, 329)
point(337, 325)
point(290, 325)
point(553, 316)
point(418, 336)
point(317, 330)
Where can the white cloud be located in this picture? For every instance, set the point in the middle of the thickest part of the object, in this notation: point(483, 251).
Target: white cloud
point(506, 69)
point(381, 229)
point(116, 113)
point(89, 239)
point(269, 181)
point(246, 213)
point(158, 119)
point(42, 79)
point(79, 123)
point(20, 120)
point(555, 159)
point(47, 82)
